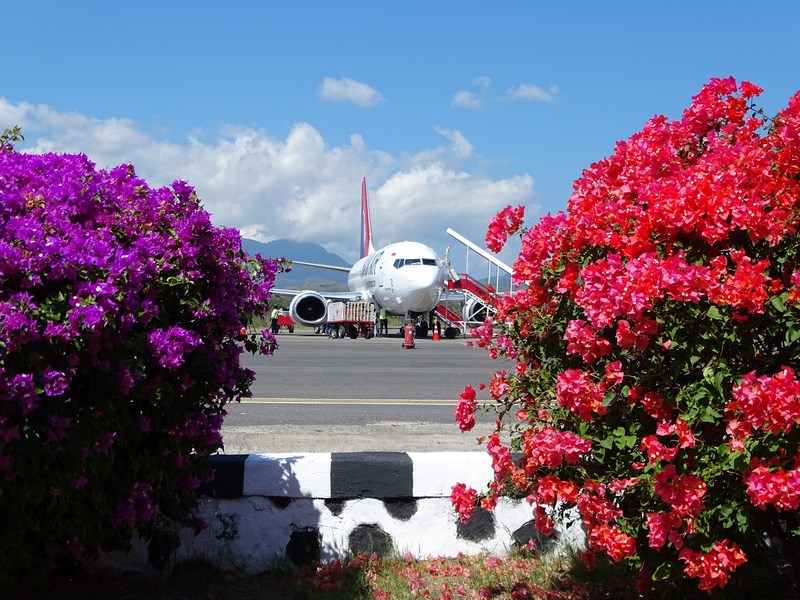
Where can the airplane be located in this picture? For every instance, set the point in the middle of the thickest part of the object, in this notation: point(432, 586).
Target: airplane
point(406, 278)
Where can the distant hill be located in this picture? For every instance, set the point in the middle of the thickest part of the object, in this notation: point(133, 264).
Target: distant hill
point(301, 277)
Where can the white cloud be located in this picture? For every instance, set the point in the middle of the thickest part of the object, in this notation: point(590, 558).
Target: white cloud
point(435, 198)
point(298, 187)
point(461, 146)
point(465, 99)
point(527, 91)
point(522, 91)
point(349, 90)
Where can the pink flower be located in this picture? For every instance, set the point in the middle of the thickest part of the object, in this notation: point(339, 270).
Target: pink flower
point(767, 401)
point(780, 488)
point(550, 447)
point(713, 568)
point(506, 222)
point(502, 464)
point(576, 391)
point(583, 340)
point(610, 538)
point(463, 499)
point(465, 409)
point(660, 527)
point(684, 493)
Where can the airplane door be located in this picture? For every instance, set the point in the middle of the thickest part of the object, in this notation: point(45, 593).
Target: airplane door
point(379, 275)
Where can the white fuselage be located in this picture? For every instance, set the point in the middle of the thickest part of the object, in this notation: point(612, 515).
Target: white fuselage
point(402, 277)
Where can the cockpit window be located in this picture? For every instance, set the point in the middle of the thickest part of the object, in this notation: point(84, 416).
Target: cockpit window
point(401, 262)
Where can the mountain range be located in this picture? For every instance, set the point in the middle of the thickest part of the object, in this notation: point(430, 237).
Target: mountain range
point(301, 277)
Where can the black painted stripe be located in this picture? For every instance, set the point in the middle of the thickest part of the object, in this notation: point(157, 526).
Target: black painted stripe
point(371, 475)
point(228, 479)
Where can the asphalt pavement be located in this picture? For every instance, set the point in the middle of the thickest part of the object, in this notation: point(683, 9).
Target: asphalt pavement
point(318, 394)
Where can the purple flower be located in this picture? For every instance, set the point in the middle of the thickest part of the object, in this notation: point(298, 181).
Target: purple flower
point(171, 344)
point(60, 331)
point(127, 293)
point(23, 391)
point(125, 380)
point(8, 434)
point(6, 463)
point(79, 482)
point(58, 428)
point(143, 423)
point(55, 382)
point(104, 446)
point(138, 506)
point(87, 315)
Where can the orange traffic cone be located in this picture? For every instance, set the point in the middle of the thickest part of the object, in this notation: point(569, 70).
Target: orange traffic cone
point(436, 332)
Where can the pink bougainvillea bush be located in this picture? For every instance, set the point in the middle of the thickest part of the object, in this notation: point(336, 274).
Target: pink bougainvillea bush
point(656, 347)
point(118, 305)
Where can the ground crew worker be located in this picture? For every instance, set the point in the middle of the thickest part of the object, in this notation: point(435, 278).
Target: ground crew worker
point(275, 320)
point(383, 328)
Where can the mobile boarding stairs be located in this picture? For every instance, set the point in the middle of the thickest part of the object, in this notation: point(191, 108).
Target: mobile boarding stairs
point(468, 301)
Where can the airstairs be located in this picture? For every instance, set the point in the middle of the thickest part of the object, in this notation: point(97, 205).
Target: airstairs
point(475, 299)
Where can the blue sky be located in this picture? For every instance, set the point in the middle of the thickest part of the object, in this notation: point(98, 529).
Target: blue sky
point(275, 111)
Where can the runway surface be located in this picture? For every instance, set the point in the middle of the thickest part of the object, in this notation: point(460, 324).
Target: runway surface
point(317, 394)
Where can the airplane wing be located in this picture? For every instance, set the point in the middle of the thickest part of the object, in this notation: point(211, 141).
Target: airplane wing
point(310, 307)
point(342, 296)
point(320, 266)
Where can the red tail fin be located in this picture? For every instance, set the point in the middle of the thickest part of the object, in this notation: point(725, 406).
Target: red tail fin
point(366, 224)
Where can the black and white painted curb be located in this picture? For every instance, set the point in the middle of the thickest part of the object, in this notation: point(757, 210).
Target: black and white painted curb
point(264, 508)
point(349, 474)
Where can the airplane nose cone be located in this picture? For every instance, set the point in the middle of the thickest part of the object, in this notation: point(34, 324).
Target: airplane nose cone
point(427, 284)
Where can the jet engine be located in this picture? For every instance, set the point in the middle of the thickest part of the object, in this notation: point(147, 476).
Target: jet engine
point(474, 310)
point(309, 308)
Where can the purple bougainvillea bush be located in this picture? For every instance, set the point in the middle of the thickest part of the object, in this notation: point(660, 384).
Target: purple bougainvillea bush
point(119, 307)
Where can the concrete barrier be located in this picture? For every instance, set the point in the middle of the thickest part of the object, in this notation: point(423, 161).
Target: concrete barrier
point(265, 508)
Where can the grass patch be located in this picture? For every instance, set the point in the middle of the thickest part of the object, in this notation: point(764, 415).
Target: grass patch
point(523, 574)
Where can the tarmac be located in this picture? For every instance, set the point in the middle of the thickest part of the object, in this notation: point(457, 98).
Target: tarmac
point(317, 394)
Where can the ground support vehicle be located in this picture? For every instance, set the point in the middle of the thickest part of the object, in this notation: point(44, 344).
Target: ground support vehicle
point(285, 321)
point(351, 319)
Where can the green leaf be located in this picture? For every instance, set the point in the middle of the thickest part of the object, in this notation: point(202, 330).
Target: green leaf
point(725, 516)
point(779, 301)
point(630, 441)
point(742, 521)
point(710, 415)
point(662, 572)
